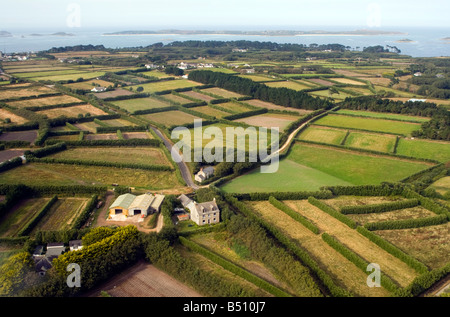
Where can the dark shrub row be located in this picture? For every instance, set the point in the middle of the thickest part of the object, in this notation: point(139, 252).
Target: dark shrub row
point(390, 248)
point(283, 195)
point(7, 165)
point(425, 281)
point(332, 212)
point(304, 257)
point(234, 268)
point(58, 147)
point(294, 215)
point(130, 142)
point(406, 224)
point(84, 216)
point(376, 208)
point(362, 264)
point(101, 163)
point(41, 213)
point(123, 129)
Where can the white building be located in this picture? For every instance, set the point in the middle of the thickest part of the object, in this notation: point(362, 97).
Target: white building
point(204, 173)
point(98, 89)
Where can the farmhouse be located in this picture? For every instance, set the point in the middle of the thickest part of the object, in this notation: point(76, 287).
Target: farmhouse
point(131, 205)
point(204, 173)
point(54, 250)
point(201, 213)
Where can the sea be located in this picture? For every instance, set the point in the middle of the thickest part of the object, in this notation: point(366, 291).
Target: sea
point(424, 42)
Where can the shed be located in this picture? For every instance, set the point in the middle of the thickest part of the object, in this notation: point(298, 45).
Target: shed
point(122, 204)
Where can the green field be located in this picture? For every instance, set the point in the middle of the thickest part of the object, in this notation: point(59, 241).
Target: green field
point(217, 141)
point(62, 77)
point(290, 176)
point(373, 142)
point(323, 135)
point(383, 115)
point(434, 150)
point(138, 155)
point(64, 175)
point(325, 166)
point(14, 221)
point(166, 85)
point(442, 185)
point(132, 105)
point(369, 124)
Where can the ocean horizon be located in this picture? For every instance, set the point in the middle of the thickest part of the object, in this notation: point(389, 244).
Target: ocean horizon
point(423, 42)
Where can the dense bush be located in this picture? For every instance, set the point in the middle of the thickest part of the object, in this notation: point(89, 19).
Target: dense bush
point(7, 165)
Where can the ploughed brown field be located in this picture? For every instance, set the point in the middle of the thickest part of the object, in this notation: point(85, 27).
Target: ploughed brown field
point(144, 280)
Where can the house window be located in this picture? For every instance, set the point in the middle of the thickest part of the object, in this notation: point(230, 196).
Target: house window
point(203, 221)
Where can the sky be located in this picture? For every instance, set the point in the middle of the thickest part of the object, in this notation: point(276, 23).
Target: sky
point(120, 15)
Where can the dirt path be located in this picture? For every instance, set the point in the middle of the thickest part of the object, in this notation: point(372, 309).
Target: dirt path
point(438, 288)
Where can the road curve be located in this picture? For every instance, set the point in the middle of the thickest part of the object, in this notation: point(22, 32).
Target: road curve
point(185, 172)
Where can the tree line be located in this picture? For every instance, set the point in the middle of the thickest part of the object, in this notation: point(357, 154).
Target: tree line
point(280, 96)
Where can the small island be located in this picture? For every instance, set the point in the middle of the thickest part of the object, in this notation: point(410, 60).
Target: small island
point(53, 34)
point(405, 41)
point(5, 34)
point(446, 39)
point(255, 33)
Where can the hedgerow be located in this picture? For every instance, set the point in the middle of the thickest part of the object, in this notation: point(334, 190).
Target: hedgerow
point(390, 248)
point(407, 223)
point(295, 215)
point(362, 264)
point(234, 268)
point(332, 212)
point(377, 208)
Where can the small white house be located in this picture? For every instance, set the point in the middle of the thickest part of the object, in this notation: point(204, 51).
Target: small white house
point(75, 245)
point(98, 89)
point(204, 173)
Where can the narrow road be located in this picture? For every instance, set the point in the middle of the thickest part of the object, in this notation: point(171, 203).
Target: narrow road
point(185, 172)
